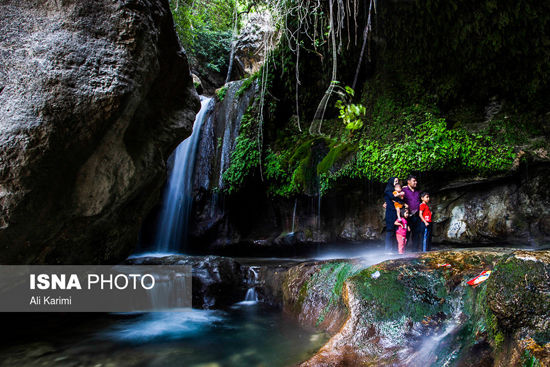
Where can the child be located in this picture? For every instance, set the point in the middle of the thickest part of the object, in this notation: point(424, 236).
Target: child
point(402, 228)
point(426, 217)
point(398, 202)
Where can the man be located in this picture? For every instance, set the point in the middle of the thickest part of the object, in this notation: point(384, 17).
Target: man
point(412, 199)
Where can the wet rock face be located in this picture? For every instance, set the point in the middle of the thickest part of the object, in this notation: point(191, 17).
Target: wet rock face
point(94, 96)
point(519, 293)
point(413, 311)
point(217, 282)
point(513, 209)
point(217, 142)
point(313, 293)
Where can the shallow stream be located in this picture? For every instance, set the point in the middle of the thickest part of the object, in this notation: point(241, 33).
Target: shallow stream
point(248, 334)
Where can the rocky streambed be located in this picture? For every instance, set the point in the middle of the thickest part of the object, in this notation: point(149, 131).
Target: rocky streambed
point(372, 310)
point(414, 310)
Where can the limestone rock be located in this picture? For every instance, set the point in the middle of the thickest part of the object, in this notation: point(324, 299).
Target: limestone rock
point(94, 96)
point(257, 34)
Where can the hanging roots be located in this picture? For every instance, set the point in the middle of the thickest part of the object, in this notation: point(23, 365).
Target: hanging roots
point(311, 25)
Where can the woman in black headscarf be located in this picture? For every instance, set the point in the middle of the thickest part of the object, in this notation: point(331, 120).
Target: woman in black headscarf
point(391, 214)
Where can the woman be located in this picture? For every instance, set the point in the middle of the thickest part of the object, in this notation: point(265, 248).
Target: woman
point(391, 214)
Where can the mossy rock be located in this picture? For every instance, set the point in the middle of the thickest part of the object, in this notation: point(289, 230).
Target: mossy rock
point(518, 292)
point(337, 153)
point(402, 291)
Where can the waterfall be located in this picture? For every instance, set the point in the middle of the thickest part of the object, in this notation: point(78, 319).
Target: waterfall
point(171, 232)
point(172, 290)
point(294, 215)
point(251, 296)
point(319, 211)
point(429, 351)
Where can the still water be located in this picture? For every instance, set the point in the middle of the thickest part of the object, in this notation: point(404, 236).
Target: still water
point(248, 334)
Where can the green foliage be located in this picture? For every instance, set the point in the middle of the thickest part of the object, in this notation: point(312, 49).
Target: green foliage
point(350, 114)
point(212, 48)
point(394, 142)
point(424, 145)
point(277, 173)
point(220, 93)
point(529, 360)
point(246, 84)
point(205, 30)
point(245, 158)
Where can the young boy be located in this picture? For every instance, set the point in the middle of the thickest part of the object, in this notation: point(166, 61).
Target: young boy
point(426, 218)
point(398, 201)
point(402, 228)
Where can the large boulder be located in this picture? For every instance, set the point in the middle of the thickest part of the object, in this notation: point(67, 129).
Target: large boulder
point(421, 311)
point(94, 96)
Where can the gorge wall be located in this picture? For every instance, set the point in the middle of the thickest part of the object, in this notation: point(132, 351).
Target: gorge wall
point(506, 208)
point(510, 209)
point(94, 97)
point(485, 161)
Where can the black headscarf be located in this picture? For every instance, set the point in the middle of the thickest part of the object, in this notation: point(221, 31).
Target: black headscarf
point(390, 185)
point(391, 213)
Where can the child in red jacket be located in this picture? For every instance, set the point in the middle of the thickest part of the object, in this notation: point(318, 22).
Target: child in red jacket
point(426, 217)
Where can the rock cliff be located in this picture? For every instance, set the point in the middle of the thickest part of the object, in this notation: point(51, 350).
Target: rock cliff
point(94, 96)
point(511, 208)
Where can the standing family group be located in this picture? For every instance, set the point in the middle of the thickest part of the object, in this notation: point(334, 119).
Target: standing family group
point(408, 217)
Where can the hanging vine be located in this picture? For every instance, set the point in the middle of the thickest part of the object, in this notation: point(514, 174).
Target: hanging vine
point(301, 23)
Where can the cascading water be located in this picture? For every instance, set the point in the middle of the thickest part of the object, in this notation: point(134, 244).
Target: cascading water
point(171, 232)
point(294, 215)
point(252, 280)
point(251, 295)
point(427, 353)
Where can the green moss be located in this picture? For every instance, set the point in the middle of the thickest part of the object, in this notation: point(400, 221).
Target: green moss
point(337, 153)
point(482, 322)
point(326, 285)
point(247, 83)
point(302, 295)
point(396, 294)
point(302, 152)
point(220, 93)
point(342, 272)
